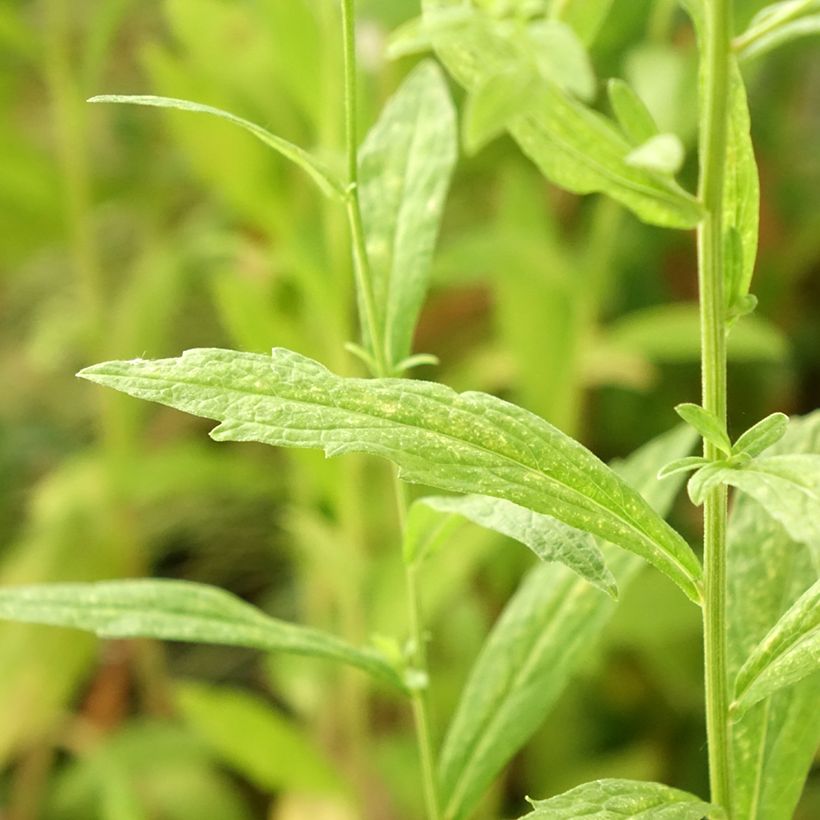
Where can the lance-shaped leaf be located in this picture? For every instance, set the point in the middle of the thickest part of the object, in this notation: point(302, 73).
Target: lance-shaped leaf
point(774, 743)
point(631, 112)
point(609, 799)
point(574, 146)
point(585, 16)
point(759, 437)
point(177, 611)
point(405, 167)
point(548, 538)
point(321, 175)
point(707, 424)
point(536, 646)
point(467, 443)
point(790, 652)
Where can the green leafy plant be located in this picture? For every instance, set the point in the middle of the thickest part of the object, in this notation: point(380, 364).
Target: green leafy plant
point(526, 70)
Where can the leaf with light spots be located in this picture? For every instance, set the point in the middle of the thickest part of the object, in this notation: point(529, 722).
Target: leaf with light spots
point(466, 443)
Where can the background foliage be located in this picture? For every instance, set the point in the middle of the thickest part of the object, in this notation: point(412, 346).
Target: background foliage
point(126, 233)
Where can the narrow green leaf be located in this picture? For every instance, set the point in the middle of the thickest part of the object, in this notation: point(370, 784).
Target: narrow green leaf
point(537, 645)
point(467, 443)
point(321, 175)
point(761, 436)
point(405, 167)
point(608, 799)
point(774, 743)
point(707, 424)
point(549, 539)
point(416, 35)
point(741, 199)
point(789, 653)
point(662, 153)
point(255, 739)
point(562, 59)
point(574, 146)
point(682, 465)
point(177, 611)
point(632, 114)
point(497, 100)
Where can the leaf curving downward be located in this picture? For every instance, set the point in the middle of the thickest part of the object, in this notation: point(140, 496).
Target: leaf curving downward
point(467, 443)
point(613, 799)
point(548, 538)
point(321, 175)
point(178, 611)
point(790, 652)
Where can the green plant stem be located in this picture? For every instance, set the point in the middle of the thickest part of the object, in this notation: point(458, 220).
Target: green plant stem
point(714, 131)
point(382, 367)
point(421, 711)
point(364, 278)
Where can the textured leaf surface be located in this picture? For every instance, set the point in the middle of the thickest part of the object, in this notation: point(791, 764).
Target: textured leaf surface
point(536, 646)
point(468, 442)
point(762, 435)
point(573, 146)
point(323, 177)
point(613, 799)
point(176, 611)
point(790, 652)
point(405, 167)
point(775, 741)
point(549, 539)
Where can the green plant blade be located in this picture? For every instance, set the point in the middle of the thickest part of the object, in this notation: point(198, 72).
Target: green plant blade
point(707, 424)
point(322, 176)
point(631, 112)
point(405, 166)
point(789, 653)
point(177, 611)
point(682, 465)
point(549, 539)
point(562, 59)
point(774, 743)
point(255, 739)
point(466, 443)
point(574, 146)
point(536, 646)
point(759, 437)
point(426, 531)
point(609, 799)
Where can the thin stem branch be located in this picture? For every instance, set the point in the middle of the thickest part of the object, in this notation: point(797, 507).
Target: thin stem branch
point(421, 711)
point(714, 135)
point(364, 277)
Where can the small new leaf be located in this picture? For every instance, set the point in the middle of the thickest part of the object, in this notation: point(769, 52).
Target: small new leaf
point(562, 59)
point(465, 443)
point(762, 435)
point(321, 175)
point(178, 611)
point(790, 652)
point(682, 465)
point(605, 799)
point(707, 424)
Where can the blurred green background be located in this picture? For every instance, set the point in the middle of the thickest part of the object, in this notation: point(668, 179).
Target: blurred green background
point(126, 232)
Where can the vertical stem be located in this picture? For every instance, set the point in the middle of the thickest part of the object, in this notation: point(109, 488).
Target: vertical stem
point(716, 46)
point(382, 367)
point(364, 278)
